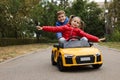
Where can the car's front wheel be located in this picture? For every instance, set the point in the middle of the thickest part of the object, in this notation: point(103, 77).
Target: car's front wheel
point(96, 66)
point(52, 59)
point(60, 63)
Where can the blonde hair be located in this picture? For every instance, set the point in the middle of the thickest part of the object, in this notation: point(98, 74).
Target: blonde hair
point(81, 22)
point(60, 12)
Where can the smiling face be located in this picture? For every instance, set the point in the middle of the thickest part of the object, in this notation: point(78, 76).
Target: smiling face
point(61, 17)
point(75, 22)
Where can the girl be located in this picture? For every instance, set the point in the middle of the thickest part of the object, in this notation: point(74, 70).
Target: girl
point(71, 29)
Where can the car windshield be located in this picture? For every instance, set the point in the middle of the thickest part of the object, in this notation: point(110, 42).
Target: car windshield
point(76, 43)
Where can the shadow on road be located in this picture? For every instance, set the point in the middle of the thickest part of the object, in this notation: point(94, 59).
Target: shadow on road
point(80, 69)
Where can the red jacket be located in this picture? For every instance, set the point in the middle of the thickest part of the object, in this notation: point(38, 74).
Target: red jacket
point(68, 31)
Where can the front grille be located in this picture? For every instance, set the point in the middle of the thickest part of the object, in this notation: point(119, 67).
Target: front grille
point(68, 60)
point(85, 59)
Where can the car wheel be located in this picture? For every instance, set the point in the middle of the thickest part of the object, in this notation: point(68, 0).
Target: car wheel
point(60, 63)
point(96, 66)
point(52, 59)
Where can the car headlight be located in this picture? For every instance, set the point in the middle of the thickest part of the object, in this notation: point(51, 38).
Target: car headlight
point(97, 54)
point(68, 55)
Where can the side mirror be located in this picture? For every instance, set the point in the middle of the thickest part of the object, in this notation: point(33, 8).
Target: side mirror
point(58, 45)
point(91, 44)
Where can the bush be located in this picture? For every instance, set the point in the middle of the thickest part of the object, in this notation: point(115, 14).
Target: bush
point(115, 36)
point(13, 41)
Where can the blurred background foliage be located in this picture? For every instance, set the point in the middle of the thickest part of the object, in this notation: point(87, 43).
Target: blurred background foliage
point(18, 18)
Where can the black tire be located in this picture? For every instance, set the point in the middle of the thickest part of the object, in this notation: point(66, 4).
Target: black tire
point(52, 59)
point(60, 64)
point(96, 66)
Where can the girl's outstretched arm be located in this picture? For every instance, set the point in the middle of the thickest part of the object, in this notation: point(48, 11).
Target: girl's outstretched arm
point(52, 28)
point(39, 27)
point(102, 39)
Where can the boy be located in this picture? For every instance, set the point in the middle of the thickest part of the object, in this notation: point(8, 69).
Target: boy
point(62, 19)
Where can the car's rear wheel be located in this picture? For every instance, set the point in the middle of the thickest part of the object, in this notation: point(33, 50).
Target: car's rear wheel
point(60, 63)
point(52, 59)
point(96, 66)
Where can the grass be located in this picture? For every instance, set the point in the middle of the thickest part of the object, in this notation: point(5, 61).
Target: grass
point(16, 50)
point(111, 44)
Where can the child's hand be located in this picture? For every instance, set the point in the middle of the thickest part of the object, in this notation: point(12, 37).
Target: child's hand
point(102, 39)
point(39, 27)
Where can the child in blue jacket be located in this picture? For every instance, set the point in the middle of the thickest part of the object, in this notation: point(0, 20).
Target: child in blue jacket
point(62, 19)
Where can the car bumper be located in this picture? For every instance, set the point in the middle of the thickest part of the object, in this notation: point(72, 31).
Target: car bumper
point(81, 60)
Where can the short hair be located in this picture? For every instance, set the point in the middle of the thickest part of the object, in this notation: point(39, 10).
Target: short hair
point(60, 12)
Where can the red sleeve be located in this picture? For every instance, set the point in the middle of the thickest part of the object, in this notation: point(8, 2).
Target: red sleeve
point(88, 36)
point(53, 28)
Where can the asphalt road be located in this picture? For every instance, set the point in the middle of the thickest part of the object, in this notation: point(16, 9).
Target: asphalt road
point(37, 66)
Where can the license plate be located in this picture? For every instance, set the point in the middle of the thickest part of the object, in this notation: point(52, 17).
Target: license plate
point(85, 59)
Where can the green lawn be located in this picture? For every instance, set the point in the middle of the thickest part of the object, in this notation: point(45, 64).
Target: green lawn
point(16, 50)
point(111, 44)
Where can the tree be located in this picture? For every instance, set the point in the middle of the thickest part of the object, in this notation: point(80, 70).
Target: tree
point(14, 17)
point(2, 20)
point(90, 14)
point(94, 22)
point(114, 20)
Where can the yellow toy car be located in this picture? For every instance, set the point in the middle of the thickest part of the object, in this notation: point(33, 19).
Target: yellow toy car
point(74, 53)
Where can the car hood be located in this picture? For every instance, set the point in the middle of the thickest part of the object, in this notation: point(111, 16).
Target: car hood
point(80, 51)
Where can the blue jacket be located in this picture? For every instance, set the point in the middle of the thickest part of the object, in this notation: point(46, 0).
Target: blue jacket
point(59, 34)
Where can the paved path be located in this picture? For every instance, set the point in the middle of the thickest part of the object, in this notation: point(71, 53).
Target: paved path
point(37, 66)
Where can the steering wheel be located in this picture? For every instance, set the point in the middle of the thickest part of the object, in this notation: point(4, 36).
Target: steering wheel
point(73, 38)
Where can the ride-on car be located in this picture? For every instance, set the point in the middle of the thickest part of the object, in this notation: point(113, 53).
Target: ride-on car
point(75, 53)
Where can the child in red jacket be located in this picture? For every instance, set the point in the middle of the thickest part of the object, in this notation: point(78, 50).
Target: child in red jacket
point(71, 29)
